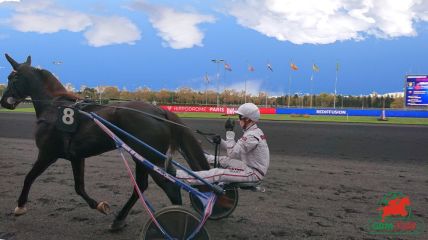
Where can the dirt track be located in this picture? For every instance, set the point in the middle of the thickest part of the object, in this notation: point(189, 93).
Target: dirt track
point(324, 182)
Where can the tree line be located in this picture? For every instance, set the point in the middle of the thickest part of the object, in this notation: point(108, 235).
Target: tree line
point(187, 96)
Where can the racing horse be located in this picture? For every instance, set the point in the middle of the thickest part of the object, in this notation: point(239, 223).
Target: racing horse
point(48, 95)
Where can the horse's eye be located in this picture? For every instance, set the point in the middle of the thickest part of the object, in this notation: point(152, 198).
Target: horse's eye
point(12, 75)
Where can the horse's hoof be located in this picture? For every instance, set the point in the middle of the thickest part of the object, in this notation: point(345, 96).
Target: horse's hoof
point(20, 211)
point(117, 225)
point(103, 207)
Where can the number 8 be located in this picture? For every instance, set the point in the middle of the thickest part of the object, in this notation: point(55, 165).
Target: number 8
point(67, 118)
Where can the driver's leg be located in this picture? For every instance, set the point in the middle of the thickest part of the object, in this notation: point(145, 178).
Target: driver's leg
point(243, 174)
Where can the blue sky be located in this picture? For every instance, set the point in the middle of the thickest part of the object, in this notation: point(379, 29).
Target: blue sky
point(170, 44)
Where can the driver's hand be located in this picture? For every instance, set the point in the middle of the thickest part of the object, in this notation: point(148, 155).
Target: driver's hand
point(216, 139)
point(229, 125)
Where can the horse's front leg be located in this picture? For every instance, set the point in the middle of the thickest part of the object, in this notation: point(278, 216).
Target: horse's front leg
point(78, 166)
point(43, 162)
point(141, 177)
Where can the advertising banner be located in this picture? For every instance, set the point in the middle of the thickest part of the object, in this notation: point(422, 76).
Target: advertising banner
point(416, 90)
point(208, 109)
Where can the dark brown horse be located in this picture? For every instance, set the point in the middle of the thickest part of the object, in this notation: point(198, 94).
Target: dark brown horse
point(47, 94)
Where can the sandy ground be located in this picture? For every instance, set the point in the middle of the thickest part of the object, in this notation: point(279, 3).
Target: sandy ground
point(305, 198)
point(324, 182)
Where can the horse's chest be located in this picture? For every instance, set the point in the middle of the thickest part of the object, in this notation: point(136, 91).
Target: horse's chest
point(49, 138)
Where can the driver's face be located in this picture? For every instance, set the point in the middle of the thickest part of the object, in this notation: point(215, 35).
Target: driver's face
point(243, 122)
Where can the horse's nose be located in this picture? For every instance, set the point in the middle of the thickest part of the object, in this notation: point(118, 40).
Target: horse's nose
point(8, 102)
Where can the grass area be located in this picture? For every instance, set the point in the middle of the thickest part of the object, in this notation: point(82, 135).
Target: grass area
point(22, 110)
point(285, 117)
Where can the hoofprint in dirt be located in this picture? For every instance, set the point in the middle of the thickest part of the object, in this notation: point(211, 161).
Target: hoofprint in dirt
point(305, 198)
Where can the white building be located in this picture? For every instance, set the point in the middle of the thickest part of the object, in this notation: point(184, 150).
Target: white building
point(391, 95)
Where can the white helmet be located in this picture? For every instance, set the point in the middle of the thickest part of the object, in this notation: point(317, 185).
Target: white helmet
point(249, 110)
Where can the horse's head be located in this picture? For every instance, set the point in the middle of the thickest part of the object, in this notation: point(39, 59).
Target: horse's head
point(18, 87)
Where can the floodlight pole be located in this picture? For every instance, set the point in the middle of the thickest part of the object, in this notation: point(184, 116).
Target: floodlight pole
point(218, 61)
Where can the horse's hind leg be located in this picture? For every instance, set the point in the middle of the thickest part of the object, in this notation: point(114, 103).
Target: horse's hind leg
point(78, 166)
point(141, 177)
point(43, 162)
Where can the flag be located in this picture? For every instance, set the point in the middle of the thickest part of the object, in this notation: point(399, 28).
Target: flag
point(270, 67)
point(294, 66)
point(250, 68)
point(315, 68)
point(227, 67)
point(337, 67)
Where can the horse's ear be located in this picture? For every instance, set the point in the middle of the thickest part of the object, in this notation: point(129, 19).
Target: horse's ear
point(12, 62)
point(28, 60)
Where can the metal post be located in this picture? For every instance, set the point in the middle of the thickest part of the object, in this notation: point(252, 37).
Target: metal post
point(1, 93)
point(207, 81)
point(335, 86)
point(310, 94)
point(245, 91)
point(266, 100)
point(218, 61)
point(289, 87)
point(206, 94)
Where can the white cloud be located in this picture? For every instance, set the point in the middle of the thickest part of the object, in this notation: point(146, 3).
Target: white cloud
point(177, 29)
point(253, 86)
point(45, 16)
point(50, 22)
point(328, 21)
point(112, 30)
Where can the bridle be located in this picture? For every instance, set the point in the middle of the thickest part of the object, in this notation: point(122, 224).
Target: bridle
point(15, 92)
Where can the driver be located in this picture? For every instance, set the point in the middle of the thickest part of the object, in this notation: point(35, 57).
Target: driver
point(247, 159)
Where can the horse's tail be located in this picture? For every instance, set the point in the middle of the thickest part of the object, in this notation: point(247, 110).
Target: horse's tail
point(187, 143)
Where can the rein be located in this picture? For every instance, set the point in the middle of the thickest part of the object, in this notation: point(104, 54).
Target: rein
point(79, 103)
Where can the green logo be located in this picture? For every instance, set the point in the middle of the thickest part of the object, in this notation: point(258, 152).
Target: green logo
point(395, 216)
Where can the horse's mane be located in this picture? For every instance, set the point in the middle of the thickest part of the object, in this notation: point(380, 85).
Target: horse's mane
point(55, 88)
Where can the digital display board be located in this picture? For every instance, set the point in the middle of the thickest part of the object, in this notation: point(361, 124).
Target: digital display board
point(416, 90)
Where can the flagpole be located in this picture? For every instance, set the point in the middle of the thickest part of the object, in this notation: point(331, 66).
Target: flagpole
point(312, 78)
point(207, 81)
point(266, 100)
point(245, 91)
point(267, 93)
point(245, 84)
point(250, 69)
point(335, 86)
point(289, 86)
point(268, 77)
point(218, 61)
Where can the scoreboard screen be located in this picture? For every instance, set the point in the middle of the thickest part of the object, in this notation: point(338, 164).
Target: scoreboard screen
point(416, 90)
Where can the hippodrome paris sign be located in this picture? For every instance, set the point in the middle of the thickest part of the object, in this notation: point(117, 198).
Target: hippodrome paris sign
point(416, 90)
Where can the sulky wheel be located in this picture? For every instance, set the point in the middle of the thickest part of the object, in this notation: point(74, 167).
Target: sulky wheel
point(177, 221)
point(224, 205)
